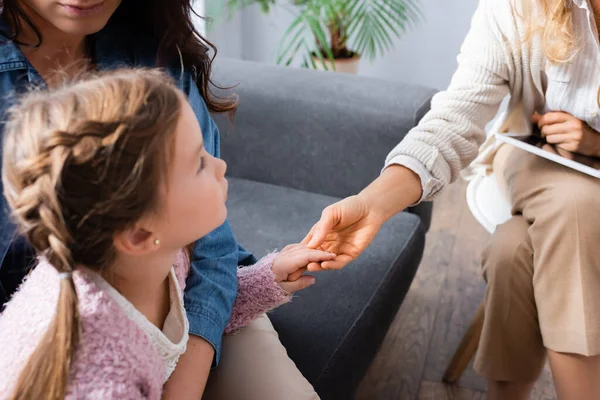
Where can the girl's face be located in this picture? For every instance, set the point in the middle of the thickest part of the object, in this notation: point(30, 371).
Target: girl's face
point(71, 17)
point(193, 203)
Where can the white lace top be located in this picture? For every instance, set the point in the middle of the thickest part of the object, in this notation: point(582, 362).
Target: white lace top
point(170, 343)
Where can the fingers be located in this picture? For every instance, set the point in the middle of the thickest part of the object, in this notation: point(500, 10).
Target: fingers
point(314, 267)
point(302, 283)
point(310, 255)
point(300, 259)
point(295, 275)
point(548, 130)
point(297, 248)
point(296, 257)
point(549, 148)
point(340, 262)
point(565, 152)
point(558, 138)
point(328, 220)
point(553, 117)
point(292, 247)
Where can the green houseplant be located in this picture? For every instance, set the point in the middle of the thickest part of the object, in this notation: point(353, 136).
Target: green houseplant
point(330, 33)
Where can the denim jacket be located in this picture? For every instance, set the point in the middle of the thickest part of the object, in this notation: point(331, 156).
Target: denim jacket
point(212, 282)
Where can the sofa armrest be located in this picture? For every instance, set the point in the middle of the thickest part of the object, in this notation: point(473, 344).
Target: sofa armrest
point(322, 132)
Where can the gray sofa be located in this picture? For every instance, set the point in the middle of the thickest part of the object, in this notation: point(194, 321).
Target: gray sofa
point(302, 140)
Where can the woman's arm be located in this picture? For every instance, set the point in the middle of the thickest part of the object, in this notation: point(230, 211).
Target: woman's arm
point(445, 141)
point(448, 137)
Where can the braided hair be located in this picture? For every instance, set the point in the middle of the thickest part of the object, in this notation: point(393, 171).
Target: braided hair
point(81, 163)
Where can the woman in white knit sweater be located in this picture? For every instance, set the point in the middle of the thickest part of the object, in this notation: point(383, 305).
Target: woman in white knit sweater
point(542, 267)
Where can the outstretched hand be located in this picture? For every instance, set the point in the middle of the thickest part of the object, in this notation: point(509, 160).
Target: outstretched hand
point(346, 228)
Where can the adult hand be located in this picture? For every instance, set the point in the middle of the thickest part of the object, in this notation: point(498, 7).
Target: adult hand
point(568, 133)
point(347, 227)
point(559, 152)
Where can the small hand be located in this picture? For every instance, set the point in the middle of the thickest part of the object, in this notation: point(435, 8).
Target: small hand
point(291, 262)
point(568, 133)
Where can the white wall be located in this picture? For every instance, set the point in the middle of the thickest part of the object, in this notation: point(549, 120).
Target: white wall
point(227, 36)
point(199, 22)
point(425, 55)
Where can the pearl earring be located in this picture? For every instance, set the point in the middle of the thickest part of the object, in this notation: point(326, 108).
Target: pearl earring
point(156, 242)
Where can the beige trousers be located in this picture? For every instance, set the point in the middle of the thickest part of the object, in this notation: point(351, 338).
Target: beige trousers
point(542, 269)
point(255, 366)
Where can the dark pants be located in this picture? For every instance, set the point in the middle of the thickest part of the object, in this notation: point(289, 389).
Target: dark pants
point(16, 265)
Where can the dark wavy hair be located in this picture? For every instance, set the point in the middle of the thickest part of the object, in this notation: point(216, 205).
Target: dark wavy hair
point(168, 23)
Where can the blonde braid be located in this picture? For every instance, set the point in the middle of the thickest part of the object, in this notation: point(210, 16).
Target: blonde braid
point(40, 180)
point(79, 164)
point(48, 233)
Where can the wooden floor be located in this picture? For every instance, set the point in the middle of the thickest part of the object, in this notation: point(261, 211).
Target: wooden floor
point(437, 310)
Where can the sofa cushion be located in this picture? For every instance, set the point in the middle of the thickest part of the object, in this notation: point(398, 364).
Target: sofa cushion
point(333, 329)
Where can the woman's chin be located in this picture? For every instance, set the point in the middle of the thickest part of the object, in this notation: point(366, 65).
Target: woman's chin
point(81, 28)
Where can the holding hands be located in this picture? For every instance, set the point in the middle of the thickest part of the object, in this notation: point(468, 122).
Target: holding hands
point(291, 263)
point(346, 228)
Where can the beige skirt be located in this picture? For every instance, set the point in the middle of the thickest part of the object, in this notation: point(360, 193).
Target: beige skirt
point(542, 267)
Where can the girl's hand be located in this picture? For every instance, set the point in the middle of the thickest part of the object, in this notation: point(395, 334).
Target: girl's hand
point(291, 262)
point(568, 133)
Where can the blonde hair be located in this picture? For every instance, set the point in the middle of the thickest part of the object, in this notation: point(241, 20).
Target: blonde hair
point(81, 163)
point(554, 23)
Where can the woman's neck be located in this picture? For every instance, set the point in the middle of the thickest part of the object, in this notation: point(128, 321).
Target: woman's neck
point(144, 282)
point(57, 52)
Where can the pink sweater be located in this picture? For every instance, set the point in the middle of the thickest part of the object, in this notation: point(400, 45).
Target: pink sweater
point(115, 359)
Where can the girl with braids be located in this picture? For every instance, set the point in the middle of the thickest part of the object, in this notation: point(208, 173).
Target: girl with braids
point(39, 37)
point(109, 180)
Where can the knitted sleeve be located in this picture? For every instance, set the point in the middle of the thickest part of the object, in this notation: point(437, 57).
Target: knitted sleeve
point(258, 292)
point(447, 139)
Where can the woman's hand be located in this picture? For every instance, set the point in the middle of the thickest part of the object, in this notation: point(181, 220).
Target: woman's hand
point(568, 133)
point(291, 263)
point(347, 227)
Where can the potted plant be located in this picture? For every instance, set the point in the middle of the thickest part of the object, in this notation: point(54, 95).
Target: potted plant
point(335, 34)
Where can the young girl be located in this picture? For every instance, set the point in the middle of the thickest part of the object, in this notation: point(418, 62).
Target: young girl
point(109, 181)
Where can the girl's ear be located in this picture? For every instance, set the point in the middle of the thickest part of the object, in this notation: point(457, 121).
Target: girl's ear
point(136, 241)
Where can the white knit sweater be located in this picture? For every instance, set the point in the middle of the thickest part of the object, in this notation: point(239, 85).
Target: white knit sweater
point(494, 61)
